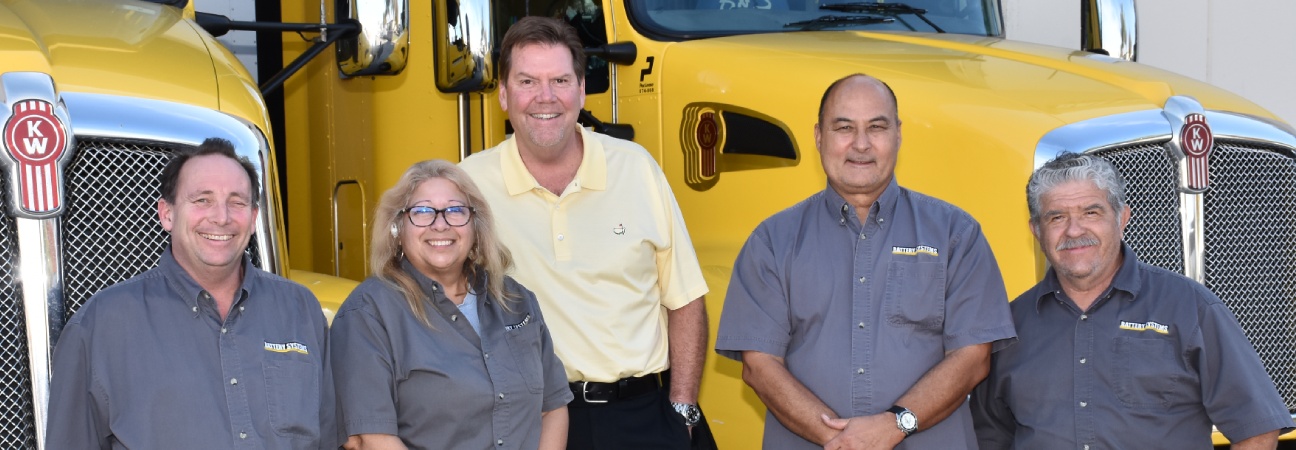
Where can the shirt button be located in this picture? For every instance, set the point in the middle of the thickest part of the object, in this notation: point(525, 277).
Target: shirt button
point(499, 442)
point(223, 330)
point(843, 221)
point(1084, 317)
point(862, 279)
point(861, 324)
point(454, 317)
point(1086, 447)
point(1084, 404)
point(242, 435)
point(488, 356)
point(195, 309)
point(1082, 360)
point(240, 309)
point(501, 395)
point(560, 237)
point(862, 236)
point(434, 288)
point(233, 381)
point(860, 371)
point(880, 220)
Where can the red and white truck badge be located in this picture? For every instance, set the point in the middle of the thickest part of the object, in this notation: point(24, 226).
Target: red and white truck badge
point(35, 138)
point(1196, 140)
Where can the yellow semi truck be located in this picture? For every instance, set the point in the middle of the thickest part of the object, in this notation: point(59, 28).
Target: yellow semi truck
point(723, 93)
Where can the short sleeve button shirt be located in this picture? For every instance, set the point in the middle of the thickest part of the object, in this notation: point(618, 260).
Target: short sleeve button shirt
point(861, 311)
point(448, 386)
point(1153, 363)
point(148, 363)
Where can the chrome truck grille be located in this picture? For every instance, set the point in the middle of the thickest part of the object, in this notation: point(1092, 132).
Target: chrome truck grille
point(1250, 237)
point(16, 417)
point(111, 231)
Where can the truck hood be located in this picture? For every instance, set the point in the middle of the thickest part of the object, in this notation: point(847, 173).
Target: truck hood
point(1068, 85)
point(972, 108)
point(123, 48)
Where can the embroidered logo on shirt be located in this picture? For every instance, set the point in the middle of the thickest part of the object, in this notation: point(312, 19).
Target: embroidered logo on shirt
point(293, 347)
point(1149, 326)
point(619, 230)
point(523, 323)
point(915, 251)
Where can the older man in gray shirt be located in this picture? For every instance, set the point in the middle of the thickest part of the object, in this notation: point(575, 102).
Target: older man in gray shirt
point(1116, 353)
point(205, 351)
point(865, 314)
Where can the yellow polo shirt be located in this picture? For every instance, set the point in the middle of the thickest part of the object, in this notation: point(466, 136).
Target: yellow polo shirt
point(606, 259)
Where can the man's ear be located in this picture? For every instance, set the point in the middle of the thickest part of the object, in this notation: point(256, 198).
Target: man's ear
point(1034, 229)
point(164, 214)
point(1125, 215)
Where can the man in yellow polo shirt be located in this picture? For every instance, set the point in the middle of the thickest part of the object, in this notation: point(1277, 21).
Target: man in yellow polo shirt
point(595, 231)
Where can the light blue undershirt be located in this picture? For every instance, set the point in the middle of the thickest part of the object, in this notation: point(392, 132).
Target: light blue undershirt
point(469, 310)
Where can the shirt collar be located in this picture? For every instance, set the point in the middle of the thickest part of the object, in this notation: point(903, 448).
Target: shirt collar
point(592, 173)
point(182, 283)
point(843, 211)
point(1127, 279)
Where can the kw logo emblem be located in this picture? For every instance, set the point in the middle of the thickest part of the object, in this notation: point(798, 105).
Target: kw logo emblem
point(35, 138)
point(1196, 140)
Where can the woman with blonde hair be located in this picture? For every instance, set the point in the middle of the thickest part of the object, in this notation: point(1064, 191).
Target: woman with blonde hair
point(438, 349)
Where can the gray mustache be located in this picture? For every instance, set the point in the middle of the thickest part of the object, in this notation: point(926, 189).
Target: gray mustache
point(1077, 242)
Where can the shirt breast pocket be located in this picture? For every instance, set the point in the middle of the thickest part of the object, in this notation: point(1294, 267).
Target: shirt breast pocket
point(293, 396)
point(915, 295)
point(524, 343)
point(1148, 373)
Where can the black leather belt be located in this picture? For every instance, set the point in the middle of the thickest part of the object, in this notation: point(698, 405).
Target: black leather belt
point(593, 393)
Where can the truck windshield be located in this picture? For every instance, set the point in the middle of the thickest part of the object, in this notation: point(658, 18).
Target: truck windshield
point(692, 19)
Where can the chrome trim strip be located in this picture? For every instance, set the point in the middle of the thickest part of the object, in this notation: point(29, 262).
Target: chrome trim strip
point(137, 119)
point(40, 264)
point(1192, 214)
point(1192, 209)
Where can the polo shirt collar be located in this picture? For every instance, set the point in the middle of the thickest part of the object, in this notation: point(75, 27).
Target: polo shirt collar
point(843, 211)
point(189, 290)
point(1127, 279)
point(592, 173)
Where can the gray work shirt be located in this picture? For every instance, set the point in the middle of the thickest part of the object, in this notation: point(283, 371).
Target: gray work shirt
point(148, 364)
point(1152, 363)
point(860, 312)
point(445, 387)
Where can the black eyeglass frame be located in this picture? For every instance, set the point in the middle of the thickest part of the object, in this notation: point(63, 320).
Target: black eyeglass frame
point(442, 213)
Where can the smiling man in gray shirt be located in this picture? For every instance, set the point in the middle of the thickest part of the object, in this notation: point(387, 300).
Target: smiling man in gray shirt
point(866, 313)
point(205, 351)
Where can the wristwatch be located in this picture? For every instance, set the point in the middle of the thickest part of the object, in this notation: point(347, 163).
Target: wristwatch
point(906, 421)
point(692, 415)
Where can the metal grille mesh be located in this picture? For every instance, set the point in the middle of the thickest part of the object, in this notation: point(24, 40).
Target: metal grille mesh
point(1251, 251)
point(16, 416)
point(1250, 237)
point(1152, 194)
point(110, 230)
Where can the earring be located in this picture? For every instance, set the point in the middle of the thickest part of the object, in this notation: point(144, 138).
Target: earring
point(395, 230)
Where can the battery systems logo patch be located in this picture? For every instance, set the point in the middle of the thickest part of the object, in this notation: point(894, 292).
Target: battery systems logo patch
point(35, 139)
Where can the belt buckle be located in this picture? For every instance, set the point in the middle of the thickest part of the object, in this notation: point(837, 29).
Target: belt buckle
point(585, 394)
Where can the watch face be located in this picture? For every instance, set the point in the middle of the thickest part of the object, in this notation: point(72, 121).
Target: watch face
point(908, 420)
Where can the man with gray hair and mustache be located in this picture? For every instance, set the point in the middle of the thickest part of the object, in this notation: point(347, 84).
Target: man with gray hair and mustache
point(1113, 352)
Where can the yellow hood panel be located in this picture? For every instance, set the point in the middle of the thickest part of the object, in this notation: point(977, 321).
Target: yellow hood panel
point(111, 47)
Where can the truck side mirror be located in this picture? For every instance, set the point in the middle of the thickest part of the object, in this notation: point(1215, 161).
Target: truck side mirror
point(1109, 27)
point(461, 45)
point(382, 45)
